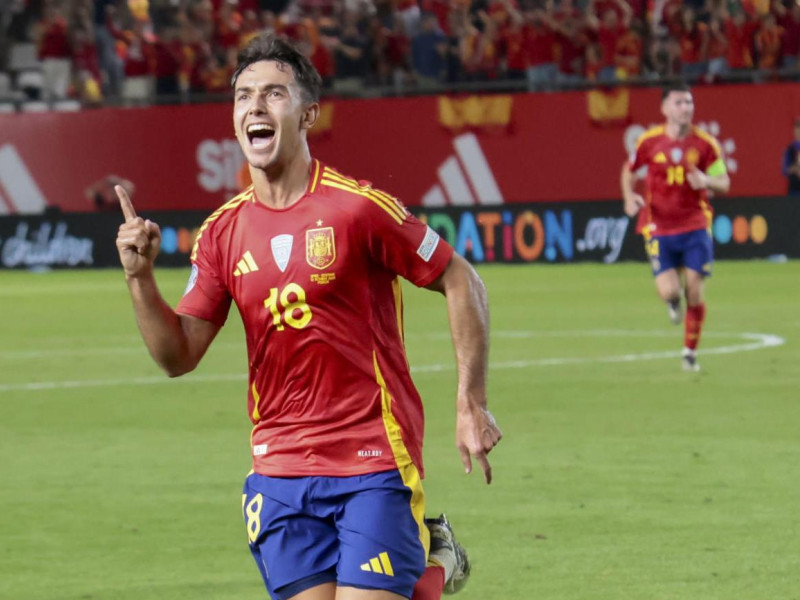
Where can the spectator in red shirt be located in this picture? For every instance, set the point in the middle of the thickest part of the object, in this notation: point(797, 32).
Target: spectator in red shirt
point(769, 39)
point(790, 21)
point(86, 66)
point(567, 12)
point(740, 31)
point(628, 55)
point(479, 49)
point(397, 52)
point(717, 49)
point(572, 40)
point(608, 32)
point(593, 62)
point(138, 55)
point(693, 39)
point(228, 25)
point(54, 53)
point(312, 43)
point(168, 53)
point(665, 56)
point(217, 71)
point(512, 45)
point(539, 39)
point(251, 27)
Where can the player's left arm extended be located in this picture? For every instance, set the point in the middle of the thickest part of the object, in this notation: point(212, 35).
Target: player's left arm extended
point(468, 312)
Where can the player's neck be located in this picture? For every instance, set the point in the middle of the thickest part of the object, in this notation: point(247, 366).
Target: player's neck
point(282, 185)
point(678, 132)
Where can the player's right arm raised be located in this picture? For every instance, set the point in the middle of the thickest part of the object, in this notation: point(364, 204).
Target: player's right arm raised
point(176, 342)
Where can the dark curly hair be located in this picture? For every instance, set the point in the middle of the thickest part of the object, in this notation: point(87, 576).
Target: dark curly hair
point(674, 87)
point(268, 46)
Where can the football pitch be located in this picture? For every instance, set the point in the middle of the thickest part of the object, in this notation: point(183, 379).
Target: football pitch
point(619, 476)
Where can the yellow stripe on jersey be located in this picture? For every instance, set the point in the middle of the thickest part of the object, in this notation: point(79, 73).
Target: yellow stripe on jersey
point(315, 177)
point(389, 202)
point(405, 466)
point(397, 204)
point(652, 132)
point(708, 214)
point(347, 188)
point(397, 292)
point(256, 400)
point(386, 202)
point(245, 196)
point(707, 137)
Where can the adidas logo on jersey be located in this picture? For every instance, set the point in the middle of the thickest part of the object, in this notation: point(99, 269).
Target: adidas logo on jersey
point(246, 265)
point(379, 564)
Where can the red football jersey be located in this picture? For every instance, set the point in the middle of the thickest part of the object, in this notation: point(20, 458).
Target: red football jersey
point(316, 285)
point(672, 205)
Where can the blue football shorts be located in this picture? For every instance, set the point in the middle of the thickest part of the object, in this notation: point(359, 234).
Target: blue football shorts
point(365, 531)
point(692, 249)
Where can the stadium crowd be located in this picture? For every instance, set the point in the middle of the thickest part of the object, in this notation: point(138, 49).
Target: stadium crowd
point(132, 50)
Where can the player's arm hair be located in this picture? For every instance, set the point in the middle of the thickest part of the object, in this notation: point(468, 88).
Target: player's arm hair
point(468, 313)
point(176, 342)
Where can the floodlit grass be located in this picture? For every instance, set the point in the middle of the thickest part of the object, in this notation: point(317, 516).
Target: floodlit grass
point(618, 478)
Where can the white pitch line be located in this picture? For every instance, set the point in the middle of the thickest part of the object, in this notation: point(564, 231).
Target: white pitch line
point(756, 341)
point(135, 346)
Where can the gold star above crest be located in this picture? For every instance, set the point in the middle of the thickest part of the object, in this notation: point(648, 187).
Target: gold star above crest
point(319, 223)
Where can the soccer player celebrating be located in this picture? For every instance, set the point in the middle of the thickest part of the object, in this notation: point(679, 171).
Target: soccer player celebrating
point(334, 507)
point(683, 164)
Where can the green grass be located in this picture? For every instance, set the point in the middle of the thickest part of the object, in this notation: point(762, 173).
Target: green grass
point(615, 480)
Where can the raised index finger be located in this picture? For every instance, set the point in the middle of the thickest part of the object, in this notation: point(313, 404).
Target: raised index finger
point(125, 203)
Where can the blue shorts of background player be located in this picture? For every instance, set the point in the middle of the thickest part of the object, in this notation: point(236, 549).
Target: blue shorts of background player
point(692, 249)
point(365, 532)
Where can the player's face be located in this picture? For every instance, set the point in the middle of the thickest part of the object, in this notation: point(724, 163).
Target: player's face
point(269, 116)
point(678, 108)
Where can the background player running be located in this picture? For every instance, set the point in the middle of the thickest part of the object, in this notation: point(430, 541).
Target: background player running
point(683, 164)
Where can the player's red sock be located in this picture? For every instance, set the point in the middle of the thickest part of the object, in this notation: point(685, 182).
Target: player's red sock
point(431, 585)
point(695, 315)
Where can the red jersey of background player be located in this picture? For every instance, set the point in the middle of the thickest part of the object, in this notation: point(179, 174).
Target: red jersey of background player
point(672, 206)
point(316, 284)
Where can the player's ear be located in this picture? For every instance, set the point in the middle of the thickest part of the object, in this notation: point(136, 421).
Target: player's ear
point(310, 116)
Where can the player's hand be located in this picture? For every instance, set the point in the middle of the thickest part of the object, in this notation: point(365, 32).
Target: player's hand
point(476, 434)
point(138, 240)
point(633, 203)
point(696, 178)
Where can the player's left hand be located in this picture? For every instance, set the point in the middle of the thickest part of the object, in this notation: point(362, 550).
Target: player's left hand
point(477, 434)
point(696, 178)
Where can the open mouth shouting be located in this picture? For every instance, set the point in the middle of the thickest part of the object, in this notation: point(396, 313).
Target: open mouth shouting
point(260, 135)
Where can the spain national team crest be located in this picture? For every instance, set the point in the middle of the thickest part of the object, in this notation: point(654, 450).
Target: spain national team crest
point(320, 247)
point(692, 156)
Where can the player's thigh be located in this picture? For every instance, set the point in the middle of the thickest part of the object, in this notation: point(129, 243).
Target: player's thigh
point(698, 252)
point(351, 593)
point(325, 591)
point(295, 551)
point(382, 535)
point(695, 286)
point(668, 284)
